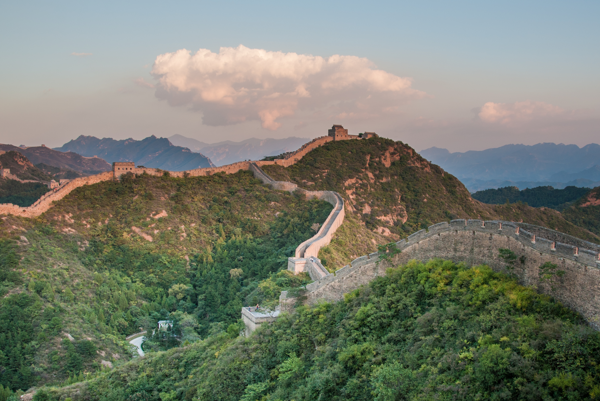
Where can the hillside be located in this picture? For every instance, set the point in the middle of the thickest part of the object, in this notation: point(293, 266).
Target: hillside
point(228, 152)
point(422, 332)
point(63, 160)
point(150, 152)
point(536, 197)
point(21, 193)
point(393, 191)
point(536, 165)
point(21, 167)
point(586, 211)
point(115, 257)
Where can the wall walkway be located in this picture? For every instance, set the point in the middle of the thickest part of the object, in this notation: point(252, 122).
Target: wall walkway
point(45, 202)
point(475, 242)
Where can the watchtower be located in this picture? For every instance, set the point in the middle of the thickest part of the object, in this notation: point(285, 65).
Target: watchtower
point(4, 173)
point(338, 133)
point(120, 168)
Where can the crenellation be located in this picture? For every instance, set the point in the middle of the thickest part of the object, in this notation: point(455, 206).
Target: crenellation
point(474, 224)
point(543, 245)
point(439, 227)
point(479, 245)
point(458, 224)
point(417, 236)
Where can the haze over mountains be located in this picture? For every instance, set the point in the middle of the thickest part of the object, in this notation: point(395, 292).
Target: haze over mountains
point(523, 166)
point(44, 157)
point(227, 152)
point(149, 152)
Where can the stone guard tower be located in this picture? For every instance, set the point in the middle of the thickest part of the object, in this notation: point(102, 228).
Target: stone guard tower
point(338, 133)
point(120, 168)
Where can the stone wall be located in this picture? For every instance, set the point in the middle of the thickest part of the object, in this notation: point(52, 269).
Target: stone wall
point(45, 202)
point(475, 242)
point(305, 259)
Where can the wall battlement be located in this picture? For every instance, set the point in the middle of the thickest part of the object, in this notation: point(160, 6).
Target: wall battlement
point(476, 242)
point(120, 168)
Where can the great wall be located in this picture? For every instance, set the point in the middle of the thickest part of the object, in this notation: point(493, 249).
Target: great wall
point(473, 242)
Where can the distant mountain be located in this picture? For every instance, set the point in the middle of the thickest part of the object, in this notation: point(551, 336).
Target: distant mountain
point(557, 199)
point(475, 185)
point(149, 152)
point(21, 167)
point(542, 164)
point(228, 152)
point(64, 161)
point(591, 174)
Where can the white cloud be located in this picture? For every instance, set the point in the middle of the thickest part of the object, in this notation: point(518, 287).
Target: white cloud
point(143, 83)
point(519, 112)
point(81, 54)
point(242, 84)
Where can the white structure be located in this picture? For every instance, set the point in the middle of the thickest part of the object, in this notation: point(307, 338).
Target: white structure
point(164, 324)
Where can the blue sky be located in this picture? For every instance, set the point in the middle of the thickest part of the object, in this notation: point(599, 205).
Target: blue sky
point(489, 73)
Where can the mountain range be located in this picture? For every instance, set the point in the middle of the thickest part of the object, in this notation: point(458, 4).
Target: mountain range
point(227, 152)
point(65, 161)
point(523, 166)
point(149, 152)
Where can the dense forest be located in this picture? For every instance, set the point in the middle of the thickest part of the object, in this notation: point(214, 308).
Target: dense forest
point(21, 193)
point(424, 331)
point(536, 197)
point(76, 281)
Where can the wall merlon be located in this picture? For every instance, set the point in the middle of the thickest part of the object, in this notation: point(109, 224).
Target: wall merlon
point(417, 236)
point(543, 245)
point(474, 224)
point(439, 227)
point(458, 224)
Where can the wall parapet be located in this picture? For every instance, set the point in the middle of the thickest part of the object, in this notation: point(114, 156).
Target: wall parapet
point(477, 242)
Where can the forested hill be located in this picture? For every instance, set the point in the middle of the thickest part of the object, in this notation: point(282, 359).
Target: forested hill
point(395, 191)
point(21, 167)
point(537, 197)
point(586, 211)
point(422, 332)
point(116, 256)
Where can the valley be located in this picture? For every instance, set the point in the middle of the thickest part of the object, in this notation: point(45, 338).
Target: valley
point(142, 245)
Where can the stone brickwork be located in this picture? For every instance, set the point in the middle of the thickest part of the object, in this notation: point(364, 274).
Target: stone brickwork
point(120, 168)
point(253, 318)
point(475, 242)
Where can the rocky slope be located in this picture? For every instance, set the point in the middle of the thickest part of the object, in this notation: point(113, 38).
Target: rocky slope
point(393, 191)
point(586, 211)
point(21, 167)
point(150, 152)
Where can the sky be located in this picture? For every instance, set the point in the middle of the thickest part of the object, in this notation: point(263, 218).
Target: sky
point(461, 75)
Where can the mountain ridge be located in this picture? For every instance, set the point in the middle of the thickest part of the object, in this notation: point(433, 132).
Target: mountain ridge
point(62, 160)
point(150, 152)
point(227, 152)
point(540, 164)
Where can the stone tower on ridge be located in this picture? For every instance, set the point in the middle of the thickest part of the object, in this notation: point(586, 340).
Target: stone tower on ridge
point(338, 133)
